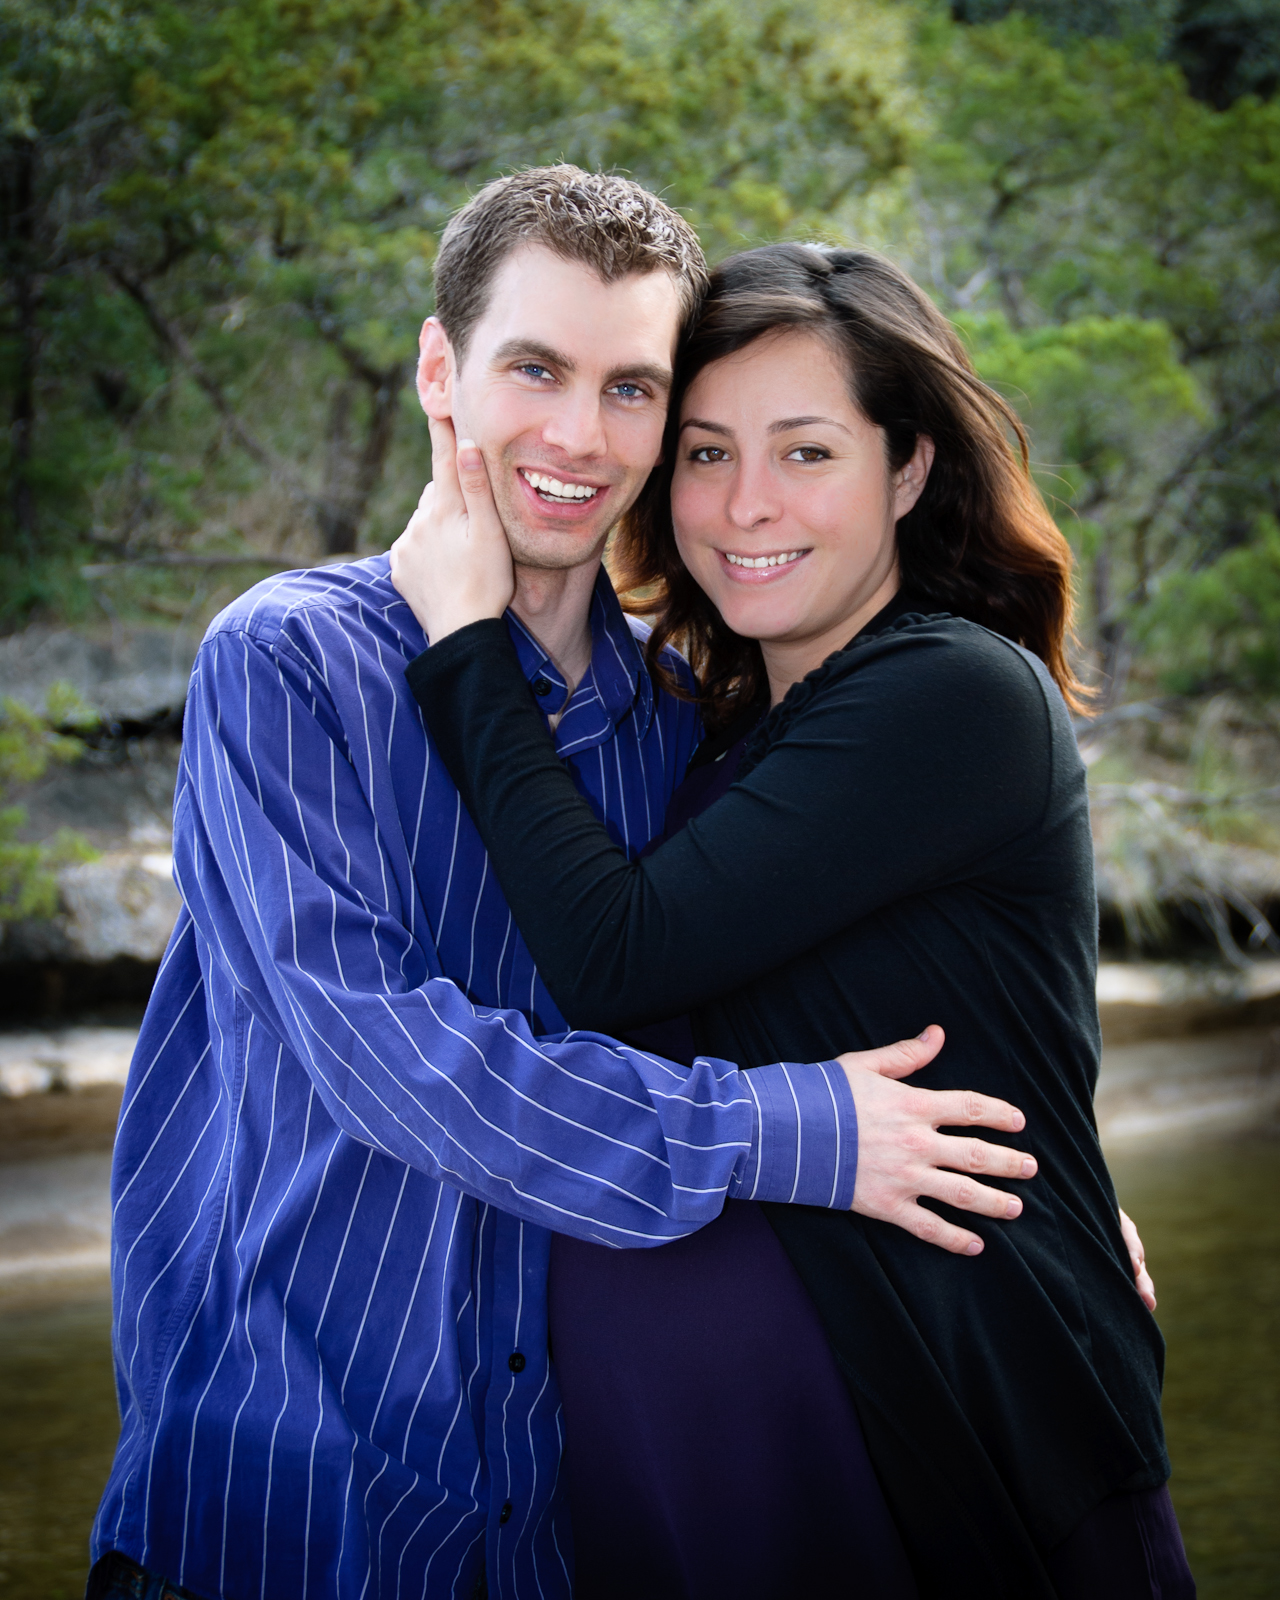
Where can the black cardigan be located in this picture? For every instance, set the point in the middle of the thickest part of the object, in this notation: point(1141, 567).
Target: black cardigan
point(907, 841)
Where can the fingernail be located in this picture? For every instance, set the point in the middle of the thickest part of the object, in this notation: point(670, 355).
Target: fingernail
point(1019, 1122)
point(923, 1035)
point(973, 1248)
point(1028, 1168)
point(1013, 1209)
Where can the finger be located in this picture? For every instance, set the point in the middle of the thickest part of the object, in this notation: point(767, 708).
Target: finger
point(956, 1108)
point(901, 1059)
point(976, 1155)
point(967, 1195)
point(1146, 1289)
point(403, 544)
point(1134, 1245)
point(444, 465)
point(416, 527)
point(933, 1229)
point(473, 481)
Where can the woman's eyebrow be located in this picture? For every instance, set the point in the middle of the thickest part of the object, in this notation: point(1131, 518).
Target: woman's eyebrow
point(707, 427)
point(788, 423)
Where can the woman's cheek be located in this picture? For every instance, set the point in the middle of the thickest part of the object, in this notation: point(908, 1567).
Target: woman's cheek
point(693, 520)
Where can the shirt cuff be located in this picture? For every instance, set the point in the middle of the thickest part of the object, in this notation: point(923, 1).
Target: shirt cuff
point(805, 1149)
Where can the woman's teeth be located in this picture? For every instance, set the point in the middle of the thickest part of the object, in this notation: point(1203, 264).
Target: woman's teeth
point(553, 489)
point(763, 561)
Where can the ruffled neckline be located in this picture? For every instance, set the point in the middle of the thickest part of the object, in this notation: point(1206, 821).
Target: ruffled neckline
point(837, 665)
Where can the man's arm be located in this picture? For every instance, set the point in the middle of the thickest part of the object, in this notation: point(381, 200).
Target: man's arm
point(283, 861)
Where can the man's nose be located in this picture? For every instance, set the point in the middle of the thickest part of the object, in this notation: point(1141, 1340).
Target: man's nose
point(576, 426)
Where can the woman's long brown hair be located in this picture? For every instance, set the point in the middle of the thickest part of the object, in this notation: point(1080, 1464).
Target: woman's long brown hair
point(979, 542)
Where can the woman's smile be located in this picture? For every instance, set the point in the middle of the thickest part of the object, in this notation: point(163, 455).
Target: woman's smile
point(761, 568)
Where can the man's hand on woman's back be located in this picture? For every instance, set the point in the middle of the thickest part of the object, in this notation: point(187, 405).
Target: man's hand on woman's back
point(902, 1156)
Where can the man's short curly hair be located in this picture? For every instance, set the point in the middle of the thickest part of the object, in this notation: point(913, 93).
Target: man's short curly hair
point(608, 223)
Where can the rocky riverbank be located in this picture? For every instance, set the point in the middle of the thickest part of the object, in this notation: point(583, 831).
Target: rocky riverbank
point(1187, 1052)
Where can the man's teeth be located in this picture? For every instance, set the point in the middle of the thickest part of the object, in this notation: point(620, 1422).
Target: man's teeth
point(557, 490)
point(763, 561)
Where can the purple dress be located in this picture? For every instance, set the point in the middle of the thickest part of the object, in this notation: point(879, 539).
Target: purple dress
point(712, 1448)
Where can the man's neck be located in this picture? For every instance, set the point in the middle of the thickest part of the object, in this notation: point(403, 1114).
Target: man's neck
point(555, 606)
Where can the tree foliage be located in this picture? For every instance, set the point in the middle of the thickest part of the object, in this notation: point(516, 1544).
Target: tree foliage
point(222, 219)
point(219, 219)
point(28, 743)
point(1112, 241)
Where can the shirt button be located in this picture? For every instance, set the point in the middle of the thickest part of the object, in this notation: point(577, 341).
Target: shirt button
point(541, 687)
point(505, 1514)
point(516, 1361)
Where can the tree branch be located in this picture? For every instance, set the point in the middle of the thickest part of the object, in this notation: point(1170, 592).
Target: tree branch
point(330, 330)
point(173, 338)
point(1208, 445)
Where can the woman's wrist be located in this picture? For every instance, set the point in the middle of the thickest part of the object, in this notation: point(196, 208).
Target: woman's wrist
point(440, 622)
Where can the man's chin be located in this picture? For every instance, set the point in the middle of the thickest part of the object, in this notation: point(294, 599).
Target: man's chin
point(555, 550)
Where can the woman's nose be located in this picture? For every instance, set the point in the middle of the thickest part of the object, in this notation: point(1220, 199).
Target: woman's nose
point(753, 498)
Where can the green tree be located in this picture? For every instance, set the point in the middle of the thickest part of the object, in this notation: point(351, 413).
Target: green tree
point(251, 247)
point(1228, 48)
point(1218, 626)
point(62, 72)
point(1070, 185)
point(28, 743)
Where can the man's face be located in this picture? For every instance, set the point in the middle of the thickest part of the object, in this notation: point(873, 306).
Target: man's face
point(564, 388)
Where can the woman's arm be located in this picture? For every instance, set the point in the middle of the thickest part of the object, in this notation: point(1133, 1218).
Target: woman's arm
point(926, 754)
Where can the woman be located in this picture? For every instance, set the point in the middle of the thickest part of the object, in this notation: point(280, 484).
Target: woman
point(886, 825)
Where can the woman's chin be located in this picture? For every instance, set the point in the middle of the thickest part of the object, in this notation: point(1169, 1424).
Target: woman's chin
point(761, 616)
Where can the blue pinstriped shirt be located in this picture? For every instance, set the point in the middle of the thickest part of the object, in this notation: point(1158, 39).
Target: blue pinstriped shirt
point(336, 1168)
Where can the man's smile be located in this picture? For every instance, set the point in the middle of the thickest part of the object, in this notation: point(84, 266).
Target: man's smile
point(567, 497)
point(556, 489)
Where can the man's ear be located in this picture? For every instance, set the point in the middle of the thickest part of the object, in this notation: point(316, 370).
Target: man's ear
point(437, 369)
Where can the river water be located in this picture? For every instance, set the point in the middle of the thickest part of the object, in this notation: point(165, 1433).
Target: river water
point(1210, 1215)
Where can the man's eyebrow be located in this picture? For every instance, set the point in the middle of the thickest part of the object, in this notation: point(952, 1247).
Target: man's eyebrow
point(531, 350)
point(789, 423)
point(660, 377)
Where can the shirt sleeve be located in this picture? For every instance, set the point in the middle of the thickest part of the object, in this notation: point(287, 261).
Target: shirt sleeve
point(925, 759)
point(280, 862)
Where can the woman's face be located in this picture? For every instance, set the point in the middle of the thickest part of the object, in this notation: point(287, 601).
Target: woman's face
point(783, 502)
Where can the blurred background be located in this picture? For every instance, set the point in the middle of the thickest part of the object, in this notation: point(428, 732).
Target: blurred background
point(217, 224)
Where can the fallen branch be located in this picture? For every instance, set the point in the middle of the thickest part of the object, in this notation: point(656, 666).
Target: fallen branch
point(1143, 794)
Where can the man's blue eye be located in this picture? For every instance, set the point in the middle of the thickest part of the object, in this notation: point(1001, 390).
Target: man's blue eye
point(533, 368)
point(628, 391)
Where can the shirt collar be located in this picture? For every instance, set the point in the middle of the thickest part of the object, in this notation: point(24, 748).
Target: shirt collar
point(616, 683)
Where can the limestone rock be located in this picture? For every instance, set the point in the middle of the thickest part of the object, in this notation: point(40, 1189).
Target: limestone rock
point(123, 672)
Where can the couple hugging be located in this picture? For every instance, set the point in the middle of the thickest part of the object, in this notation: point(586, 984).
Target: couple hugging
point(496, 1212)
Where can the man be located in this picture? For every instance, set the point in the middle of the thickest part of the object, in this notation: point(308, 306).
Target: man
point(336, 1167)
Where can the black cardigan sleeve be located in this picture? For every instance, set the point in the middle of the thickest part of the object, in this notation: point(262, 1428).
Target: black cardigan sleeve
point(914, 759)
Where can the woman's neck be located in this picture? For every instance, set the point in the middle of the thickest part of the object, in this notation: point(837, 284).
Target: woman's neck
point(787, 661)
